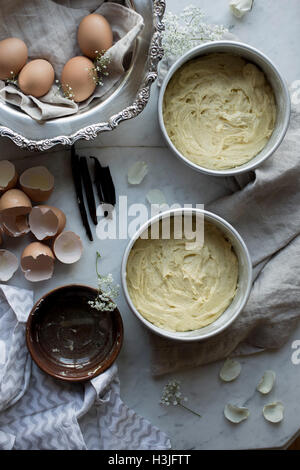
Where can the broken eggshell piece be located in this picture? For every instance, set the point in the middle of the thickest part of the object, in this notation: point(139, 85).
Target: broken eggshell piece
point(8, 175)
point(38, 183)
point(8, 265)
point(230, 371)
point(273, 412)
point(37, 262)
point(68, 247)
point(14, 209)
point(236, 414)
point(46, 222)
point(240, 7)
point(267, 382)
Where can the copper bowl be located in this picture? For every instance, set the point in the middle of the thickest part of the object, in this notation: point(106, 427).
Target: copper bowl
point(70, 340)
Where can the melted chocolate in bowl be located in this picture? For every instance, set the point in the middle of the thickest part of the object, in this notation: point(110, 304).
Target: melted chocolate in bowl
point(70, 340)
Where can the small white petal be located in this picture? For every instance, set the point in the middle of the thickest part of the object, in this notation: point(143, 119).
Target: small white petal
point(137, 172)
point(240, 7)
point(236, 414)
point(273, 412)
point(156, 196)
point(267, 382)
point(230, 371)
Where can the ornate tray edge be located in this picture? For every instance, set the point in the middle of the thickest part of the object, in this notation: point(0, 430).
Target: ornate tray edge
point(140, 102)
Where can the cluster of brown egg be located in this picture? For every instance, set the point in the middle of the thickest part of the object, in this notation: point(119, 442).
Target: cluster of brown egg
point(79, 75)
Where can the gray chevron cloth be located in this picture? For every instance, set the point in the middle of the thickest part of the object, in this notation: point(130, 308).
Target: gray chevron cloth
point(38, 412)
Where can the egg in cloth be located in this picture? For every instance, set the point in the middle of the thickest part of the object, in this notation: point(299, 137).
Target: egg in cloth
point(94, 35)
point(13, 57)
point(79, 78)
point(36, 78)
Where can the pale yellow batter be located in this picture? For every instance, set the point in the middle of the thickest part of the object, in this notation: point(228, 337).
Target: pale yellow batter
point(180, 289)
point(219, 111)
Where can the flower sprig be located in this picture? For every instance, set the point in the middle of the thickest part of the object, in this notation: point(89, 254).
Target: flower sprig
point(100, 69)
point(12, 80)
point(96, 73)
point(172, 395)
point(187, 29)
point(107, 291)
point(66, 90)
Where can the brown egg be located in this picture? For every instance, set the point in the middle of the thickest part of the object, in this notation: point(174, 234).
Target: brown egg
point(36, 78)
point(94, 35)
point(13, 56)
point(78, 78)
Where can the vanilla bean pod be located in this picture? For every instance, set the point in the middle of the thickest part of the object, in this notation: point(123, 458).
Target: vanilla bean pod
point(104, 184)
point(78, 189)
point(88, 187)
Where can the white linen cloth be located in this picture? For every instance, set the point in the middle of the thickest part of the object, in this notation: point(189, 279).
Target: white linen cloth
point(265, 209)
point(49, 28)
point(38, 412)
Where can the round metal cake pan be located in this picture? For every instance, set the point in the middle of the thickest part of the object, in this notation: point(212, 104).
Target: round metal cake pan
point(275, 79)
point(244, 278)
point(125, 101)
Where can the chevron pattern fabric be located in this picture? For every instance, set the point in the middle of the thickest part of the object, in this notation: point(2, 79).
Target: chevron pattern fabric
point(38, 412)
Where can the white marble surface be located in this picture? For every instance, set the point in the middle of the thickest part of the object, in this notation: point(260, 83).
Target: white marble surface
point(275, 29)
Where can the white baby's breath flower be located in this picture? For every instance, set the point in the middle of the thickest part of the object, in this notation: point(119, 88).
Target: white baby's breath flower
point(107, 291)
point(172, 395)
point(12, 80)
point(186, 30)
point(99, 70)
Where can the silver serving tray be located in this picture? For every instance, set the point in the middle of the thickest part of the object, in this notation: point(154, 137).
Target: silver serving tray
point(125, 101)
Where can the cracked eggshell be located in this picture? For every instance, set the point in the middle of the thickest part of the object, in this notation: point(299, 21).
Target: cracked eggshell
point(236, 414)
point(36, 78)
point(68, 247)
point(38, 183)
point(8, 265)
point(267, 382)
point(46, 222)
point(8, 175)
point(230, 371)
point(37, 262)
point(14, 209)
point(273, 412)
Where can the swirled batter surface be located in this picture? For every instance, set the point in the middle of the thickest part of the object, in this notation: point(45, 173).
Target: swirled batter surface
point(178, 288)
point(219, 111)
